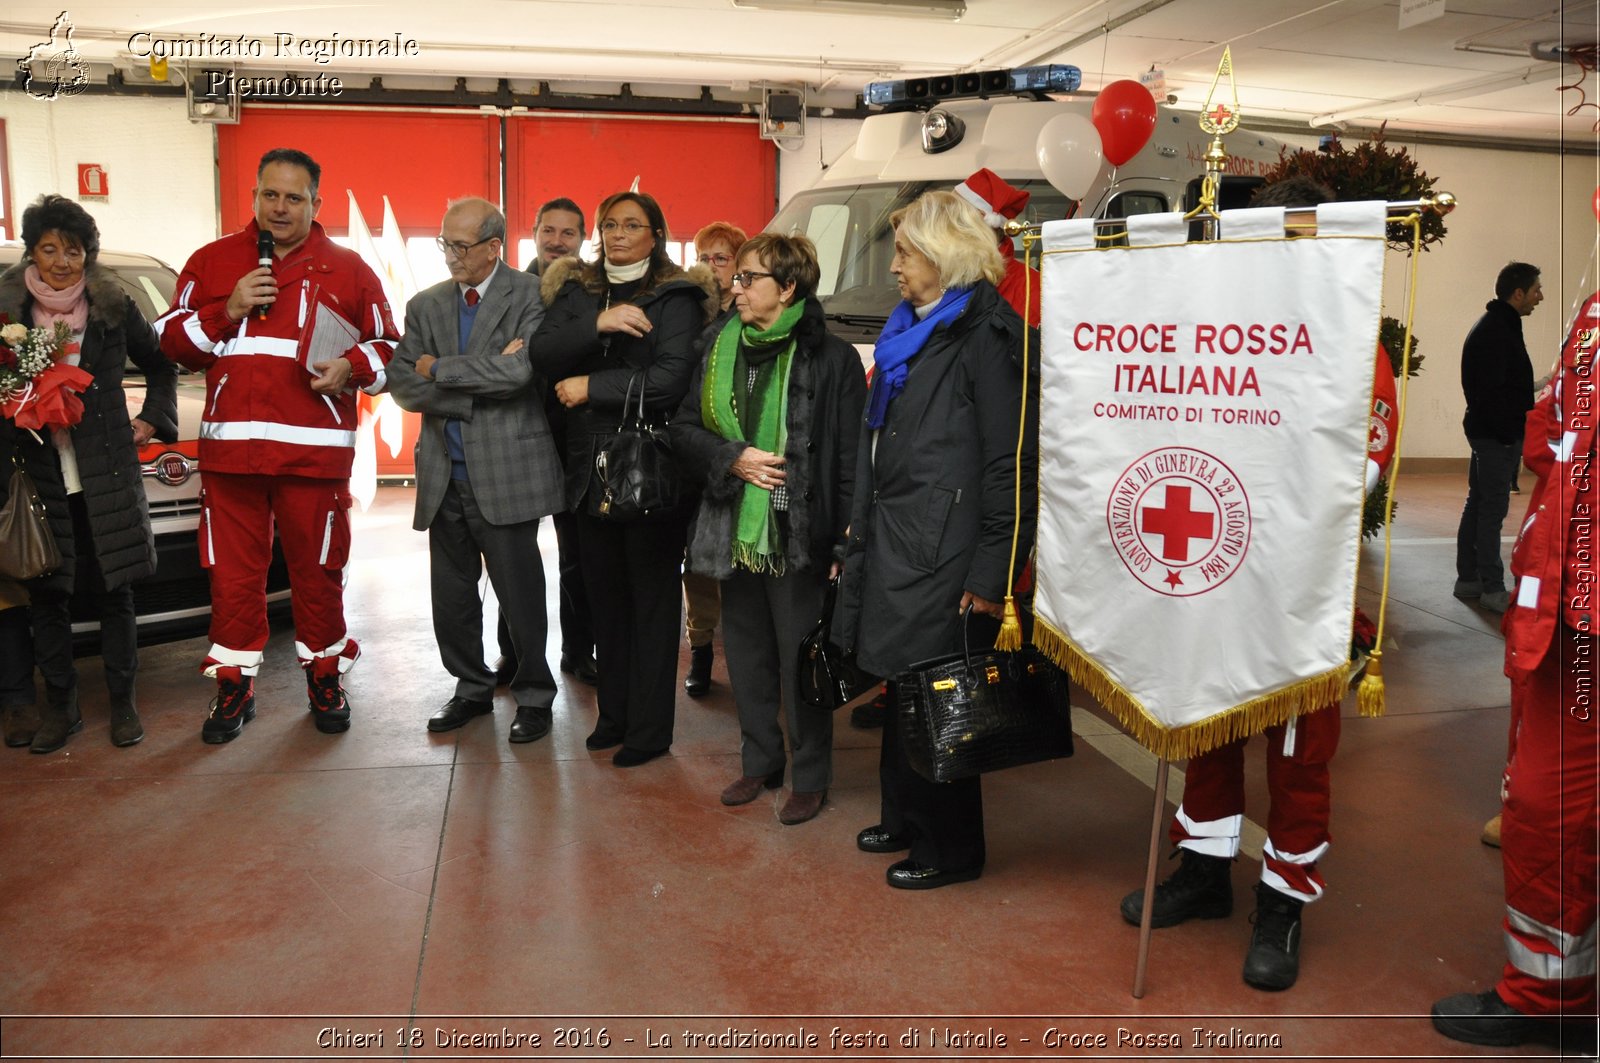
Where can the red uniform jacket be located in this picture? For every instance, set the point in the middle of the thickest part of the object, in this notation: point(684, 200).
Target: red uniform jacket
point(261, 415)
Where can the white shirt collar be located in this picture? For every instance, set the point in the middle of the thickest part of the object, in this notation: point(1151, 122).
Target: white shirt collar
point(483, 286)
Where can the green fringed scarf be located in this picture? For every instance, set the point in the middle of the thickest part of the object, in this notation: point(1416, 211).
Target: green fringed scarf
point(761, 421)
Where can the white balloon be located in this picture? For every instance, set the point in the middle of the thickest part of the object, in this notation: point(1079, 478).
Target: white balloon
point(1070, 154)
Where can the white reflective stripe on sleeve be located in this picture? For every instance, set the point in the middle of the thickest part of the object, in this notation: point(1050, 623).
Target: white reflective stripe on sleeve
point(1575, 957)
point(379, 382)
point(272, 432)
point(197, 335)
point(373, 358)
point(1564, 451)
point(1528, 592)
point(1215, 837)
point(270, 345)
point(377, 321)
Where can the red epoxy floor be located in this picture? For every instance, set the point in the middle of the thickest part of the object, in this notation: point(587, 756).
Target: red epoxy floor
point(254, 899)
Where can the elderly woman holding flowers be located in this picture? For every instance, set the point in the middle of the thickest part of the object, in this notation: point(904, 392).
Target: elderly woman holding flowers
point(770, 430)
point(85, 463)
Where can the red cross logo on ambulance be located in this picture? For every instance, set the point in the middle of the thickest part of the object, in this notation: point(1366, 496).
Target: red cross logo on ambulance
point(1180, 521)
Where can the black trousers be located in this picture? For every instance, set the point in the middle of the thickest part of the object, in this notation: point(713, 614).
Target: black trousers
point(577, 629)
point(51, 606)
point(633, 573)
point(16, 658)
point(461, 543)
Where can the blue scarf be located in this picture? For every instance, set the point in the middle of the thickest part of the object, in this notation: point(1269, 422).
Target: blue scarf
point(902, 340)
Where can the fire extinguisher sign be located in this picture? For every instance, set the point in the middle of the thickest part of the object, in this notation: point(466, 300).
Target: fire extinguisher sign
point(92, 181)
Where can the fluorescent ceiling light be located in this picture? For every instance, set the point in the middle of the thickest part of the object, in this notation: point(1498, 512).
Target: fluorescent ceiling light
point(948, 10)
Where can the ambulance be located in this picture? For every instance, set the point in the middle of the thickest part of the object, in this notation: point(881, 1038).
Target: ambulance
point(936, 131)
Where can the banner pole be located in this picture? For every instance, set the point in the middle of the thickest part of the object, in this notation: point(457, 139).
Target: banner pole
point(1157, 821)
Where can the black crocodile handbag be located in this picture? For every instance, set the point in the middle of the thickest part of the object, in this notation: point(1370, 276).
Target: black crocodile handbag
point(971, 713)
point(635, 474)
point(828, 676)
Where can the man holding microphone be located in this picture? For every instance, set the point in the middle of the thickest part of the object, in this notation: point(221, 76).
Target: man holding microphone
point(285, 324)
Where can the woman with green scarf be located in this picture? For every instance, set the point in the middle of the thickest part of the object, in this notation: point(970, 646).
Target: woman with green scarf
point(770, 431)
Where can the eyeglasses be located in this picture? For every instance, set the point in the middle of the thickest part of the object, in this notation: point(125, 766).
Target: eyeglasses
point(717, 260)
point(630, 226)
point(745, 278)
point(456, 247)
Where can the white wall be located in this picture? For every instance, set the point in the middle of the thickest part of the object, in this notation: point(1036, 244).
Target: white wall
point(825, 140)
point(161, 167)
point(1526, 206)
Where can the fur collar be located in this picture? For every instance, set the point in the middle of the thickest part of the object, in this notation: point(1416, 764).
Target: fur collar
point(592, 277)
point(108, 304)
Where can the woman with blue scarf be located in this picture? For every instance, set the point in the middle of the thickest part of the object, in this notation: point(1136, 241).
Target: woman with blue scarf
point(930, 530)
point(769, 429)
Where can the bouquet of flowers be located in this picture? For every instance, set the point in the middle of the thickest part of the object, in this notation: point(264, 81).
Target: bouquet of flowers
point(38, 389)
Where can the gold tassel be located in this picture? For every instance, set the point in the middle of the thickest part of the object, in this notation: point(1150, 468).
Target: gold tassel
point(1010, 637)
point(1369, 695)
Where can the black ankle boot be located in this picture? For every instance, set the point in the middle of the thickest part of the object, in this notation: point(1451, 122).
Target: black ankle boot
point(126, 730)
point(1273, 961)
point(1199, 889)
point(58, 721)
point(698, 681)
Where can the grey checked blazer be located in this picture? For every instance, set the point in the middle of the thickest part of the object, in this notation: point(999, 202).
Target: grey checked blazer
point(499, 399)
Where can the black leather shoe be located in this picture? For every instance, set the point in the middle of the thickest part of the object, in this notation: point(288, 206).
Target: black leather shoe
point(505, 670)
point(877, 840)
point(1485, 1019)
point(582, 666)
point(456, 712)
point(599, 740)
point(632, 758)
point(532, 723)
point(698, 681)
point(910, 875)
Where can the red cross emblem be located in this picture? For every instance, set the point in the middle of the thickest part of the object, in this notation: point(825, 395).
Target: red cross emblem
point(1176, 523)
point(1220, 113)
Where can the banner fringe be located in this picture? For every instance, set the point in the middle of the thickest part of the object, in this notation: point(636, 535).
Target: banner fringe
point(1182, 743)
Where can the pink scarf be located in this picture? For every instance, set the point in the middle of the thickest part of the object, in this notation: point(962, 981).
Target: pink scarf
point(70, 304)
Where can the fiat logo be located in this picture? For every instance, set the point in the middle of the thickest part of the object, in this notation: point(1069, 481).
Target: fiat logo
point(173, 468)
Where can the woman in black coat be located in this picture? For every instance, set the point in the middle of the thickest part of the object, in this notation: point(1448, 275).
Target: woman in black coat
point(769, 431)
point(629, 319)
point(88, 475)
point(931, 528)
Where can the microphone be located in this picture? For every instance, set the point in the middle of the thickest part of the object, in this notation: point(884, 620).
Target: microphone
point(264, 245)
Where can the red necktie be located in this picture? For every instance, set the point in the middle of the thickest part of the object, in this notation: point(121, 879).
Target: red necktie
point(472, 297)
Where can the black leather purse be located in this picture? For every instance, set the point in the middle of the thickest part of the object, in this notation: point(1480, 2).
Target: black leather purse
point(966, 714)
point(635, 474)
point(829, 677)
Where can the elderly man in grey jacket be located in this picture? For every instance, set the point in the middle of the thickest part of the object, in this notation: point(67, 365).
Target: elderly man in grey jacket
point(487, 468)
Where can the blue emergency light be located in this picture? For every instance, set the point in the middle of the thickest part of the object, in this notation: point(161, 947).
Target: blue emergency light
point(981, 84)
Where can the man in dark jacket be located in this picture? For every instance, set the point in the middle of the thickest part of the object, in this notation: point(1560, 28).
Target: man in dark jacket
point(1497, 379)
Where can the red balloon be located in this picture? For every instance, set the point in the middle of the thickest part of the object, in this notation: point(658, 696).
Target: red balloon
point(1597, 204)
point(1125, 115)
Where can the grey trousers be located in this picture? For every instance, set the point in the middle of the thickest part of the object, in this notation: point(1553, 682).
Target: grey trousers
point(763, 620)
point(460, 545)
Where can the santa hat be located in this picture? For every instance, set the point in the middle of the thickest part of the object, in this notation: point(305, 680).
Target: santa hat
point(998, 201)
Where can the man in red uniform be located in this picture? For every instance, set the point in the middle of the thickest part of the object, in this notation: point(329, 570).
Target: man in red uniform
point(278, 434)
point(1549, 821)
point(1207, 826)
point(1000, 202)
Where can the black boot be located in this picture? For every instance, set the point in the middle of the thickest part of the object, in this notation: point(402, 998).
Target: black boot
point(232, 708)
point(58, 721)
point(329, 704)
point(126, 730)
point(1199, 889)
point(19, 723)
point(698, 681)
point(1273, 961)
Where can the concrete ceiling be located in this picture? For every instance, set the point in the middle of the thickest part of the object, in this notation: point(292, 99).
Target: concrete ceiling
point(1308, 63)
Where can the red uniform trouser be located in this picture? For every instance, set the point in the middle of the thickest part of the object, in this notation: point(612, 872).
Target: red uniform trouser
point(1212, 812)
point(312, 516)
point(1547, 833)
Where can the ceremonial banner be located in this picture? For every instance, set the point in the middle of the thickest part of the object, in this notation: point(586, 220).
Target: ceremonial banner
point(1203, 444)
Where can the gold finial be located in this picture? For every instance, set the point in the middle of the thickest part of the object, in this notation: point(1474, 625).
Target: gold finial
point(1219, 117)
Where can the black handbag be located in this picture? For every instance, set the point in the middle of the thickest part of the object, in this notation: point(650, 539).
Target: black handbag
point(27, 548)
point(829, 677)
point(635, 474)
point(966, 714)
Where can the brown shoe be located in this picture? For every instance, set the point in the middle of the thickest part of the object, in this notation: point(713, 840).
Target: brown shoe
point(19, 722)
point(801, 806)
point(747, 788)
point(1491, 833)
